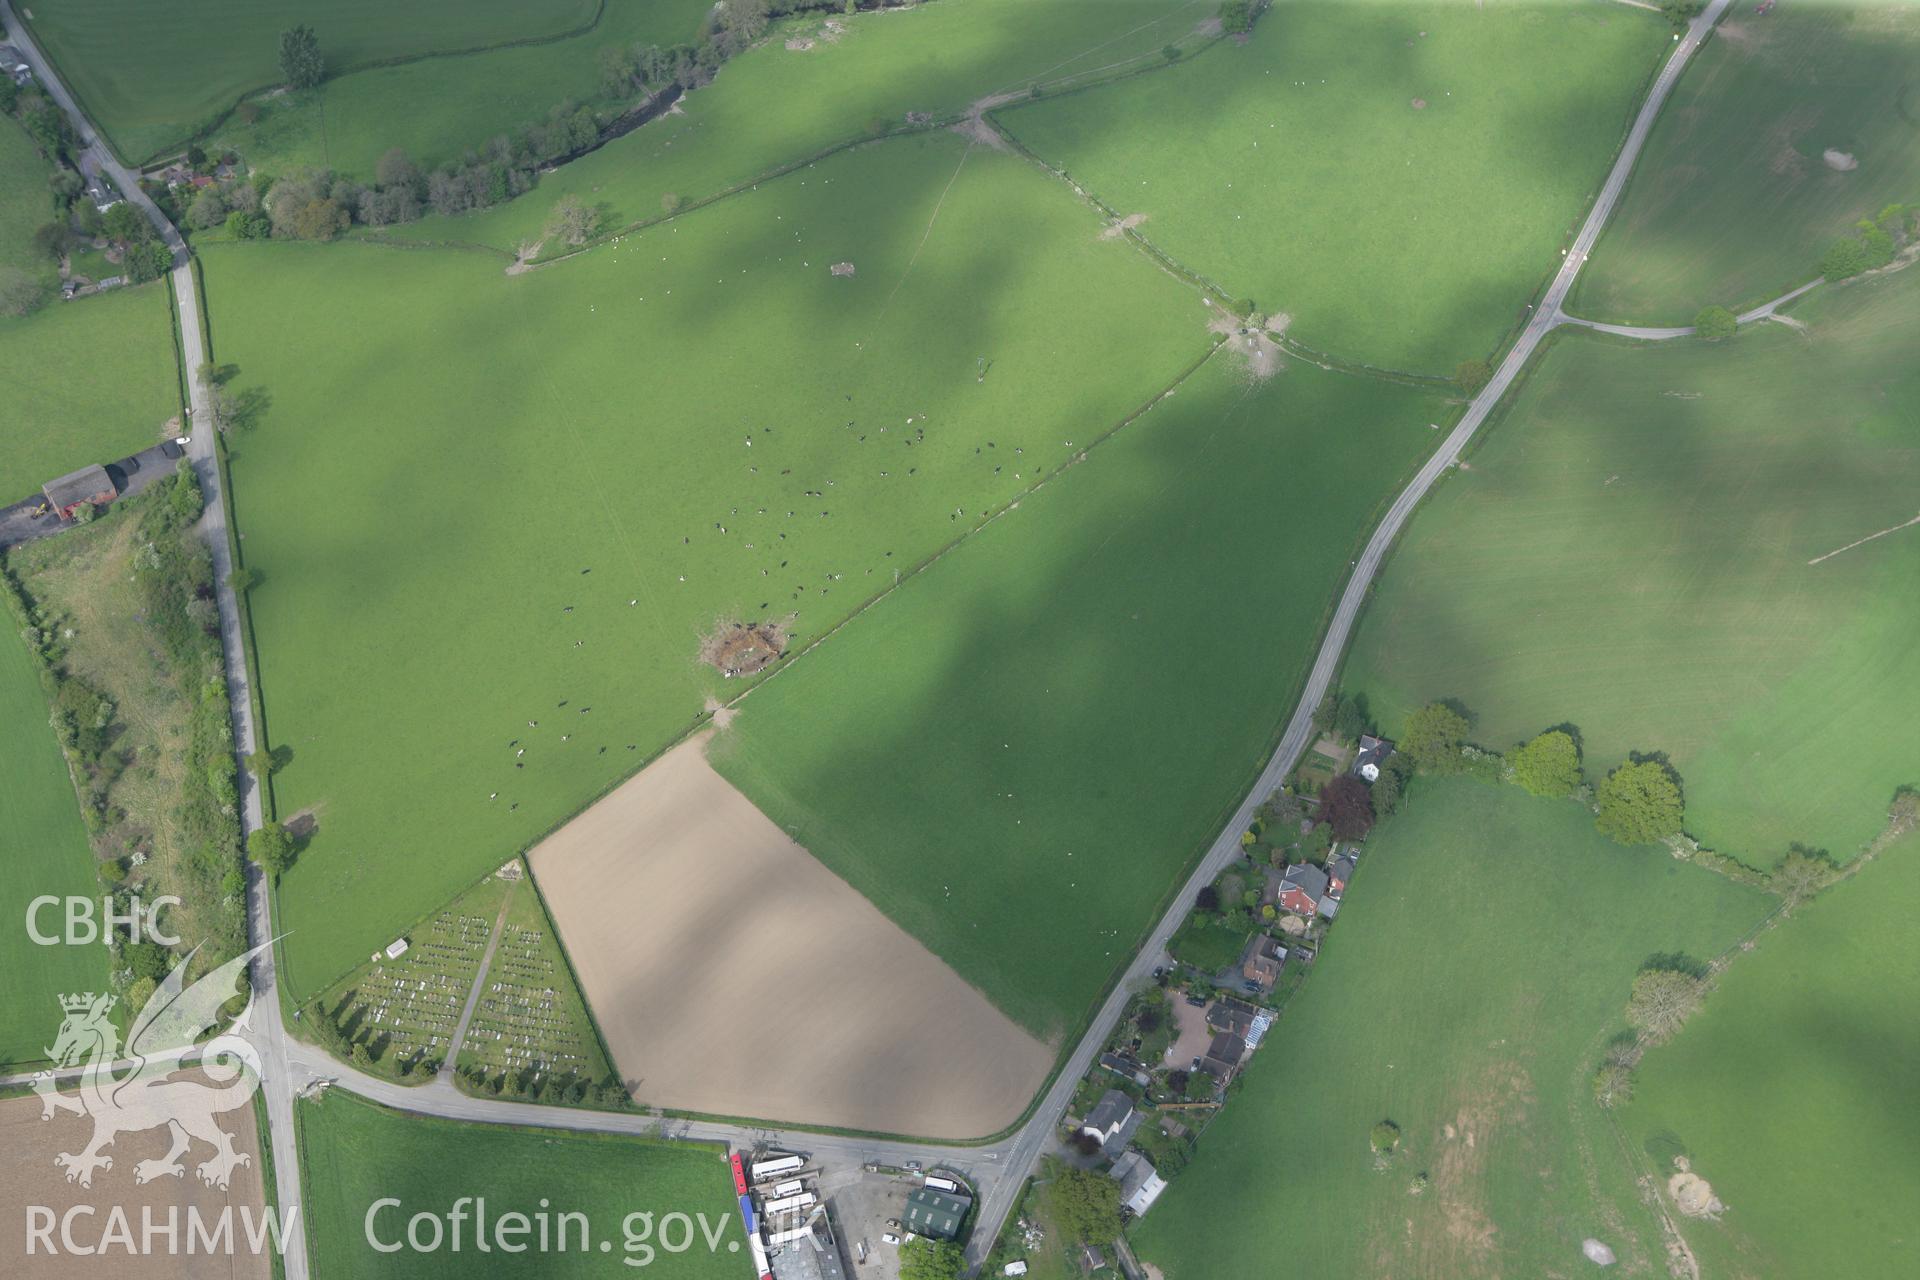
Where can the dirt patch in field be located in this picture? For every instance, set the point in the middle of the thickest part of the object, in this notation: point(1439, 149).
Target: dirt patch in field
point(1248, 342)
point(1839, 161)
point(1120, 226)
point(31, 1179)
point(732, 973)
point(1692, 1194)
point(974, 124)
point(744, 648)
point(523, 259)
point(1419, 104)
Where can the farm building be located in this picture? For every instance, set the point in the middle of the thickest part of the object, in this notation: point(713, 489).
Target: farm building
point(88, 484)
point(1372, 754)
point(1302, 889)
point(935, 1213)
point(1140, 1183)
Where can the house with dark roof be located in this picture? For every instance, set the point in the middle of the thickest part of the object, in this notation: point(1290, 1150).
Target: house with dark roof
point(1228, 1014)
point(1223, 1056)
point(1260, 963)
point(1302, 888)
point(1339, 872)
point(1126, 1068)
point(88, 484)
point(1372, 754)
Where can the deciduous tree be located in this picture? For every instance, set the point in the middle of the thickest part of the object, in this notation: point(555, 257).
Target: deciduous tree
point(571, 220)
point(1549, 765)
point(1639, 803)
point(1801, 874)
point(924, 1259)
point(272, 847)
point(1471, 375)
point(1662, 1001)
point(1085, 1205)
point(1715, 323)
point(1346, 806)
point(300, 60)
point(1433, 737)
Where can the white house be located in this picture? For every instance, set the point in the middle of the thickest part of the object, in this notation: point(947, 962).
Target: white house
point(1108, 1116)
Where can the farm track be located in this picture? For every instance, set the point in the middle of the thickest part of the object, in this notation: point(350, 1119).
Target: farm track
point(1000, 1167)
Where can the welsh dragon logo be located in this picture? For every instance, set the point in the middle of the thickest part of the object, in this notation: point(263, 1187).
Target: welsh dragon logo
point(143, 1098)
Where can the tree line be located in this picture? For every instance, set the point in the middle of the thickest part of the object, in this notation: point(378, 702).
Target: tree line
point(320, 204)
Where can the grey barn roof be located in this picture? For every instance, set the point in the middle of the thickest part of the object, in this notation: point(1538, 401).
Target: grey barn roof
point(78, 486)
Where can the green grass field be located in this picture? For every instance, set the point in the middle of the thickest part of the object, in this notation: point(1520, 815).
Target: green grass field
point(354, 1153)
point(437, 108)
point(450, 451)
point(1017, 754)
point(90, 380)
point(1298, 171)
point(1733, 201)
point(1630, 550)
point(1206, 945)
point(772, 106)
point(1792, 1091)
point(26, 204)
point(150, 75)
point(44, 849)
point(1481, 961)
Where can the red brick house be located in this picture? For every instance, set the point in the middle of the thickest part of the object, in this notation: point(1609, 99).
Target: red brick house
point(1302, 888)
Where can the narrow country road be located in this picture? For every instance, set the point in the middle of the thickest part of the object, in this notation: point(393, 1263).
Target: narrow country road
point(267, 1034)
point(1031, 1142)
point(1000, 1168)
point(1656, 333)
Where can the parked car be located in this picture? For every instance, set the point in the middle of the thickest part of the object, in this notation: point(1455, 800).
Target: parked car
point(912, 1166)
point(890, 1238)
point(895, 1223)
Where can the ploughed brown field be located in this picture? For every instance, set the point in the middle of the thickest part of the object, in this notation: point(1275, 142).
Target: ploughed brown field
point(30, 1181)
point(733, 974)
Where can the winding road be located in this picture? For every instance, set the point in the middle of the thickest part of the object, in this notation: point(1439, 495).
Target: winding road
point(999, 1169)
